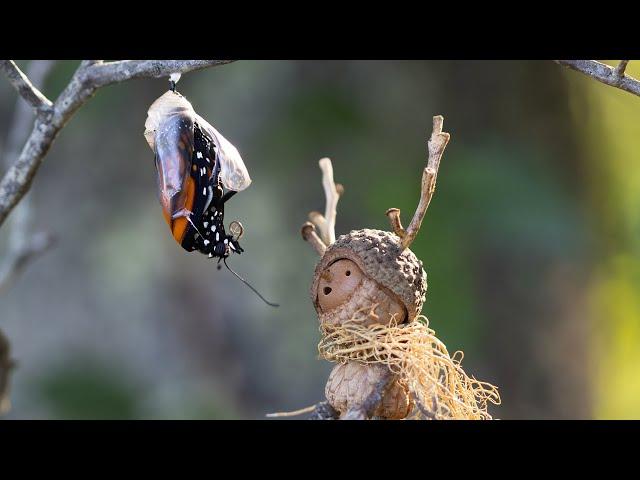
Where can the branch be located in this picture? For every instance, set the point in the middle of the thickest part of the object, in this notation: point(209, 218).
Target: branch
point(436, 144)
point(22, 246)
point(24, 87)
point(6, 365)
point(614, 77)
point(309, 234)
point(102, 74)
point(325, 224)
point(88, 78)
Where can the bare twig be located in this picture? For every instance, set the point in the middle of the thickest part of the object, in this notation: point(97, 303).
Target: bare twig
point(620, 69)
point(396, 223)
point(326, 223)
point(6, 365)
point(25, 88)
point(88, 78)
point(23, 247)
point(436, 144)
point(309, 234)
point(614, 77)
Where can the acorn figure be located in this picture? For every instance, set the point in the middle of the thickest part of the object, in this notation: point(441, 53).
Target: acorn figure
point(368, 290)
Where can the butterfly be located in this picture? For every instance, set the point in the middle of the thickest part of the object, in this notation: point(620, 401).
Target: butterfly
point(198, 171)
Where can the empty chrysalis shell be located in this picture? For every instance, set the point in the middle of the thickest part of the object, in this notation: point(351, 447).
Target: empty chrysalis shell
point(233, 173)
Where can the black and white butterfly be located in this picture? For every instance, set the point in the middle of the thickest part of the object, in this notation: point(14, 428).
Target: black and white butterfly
point(198, 172)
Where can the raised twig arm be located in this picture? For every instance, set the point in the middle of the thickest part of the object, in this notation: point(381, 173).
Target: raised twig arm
point(436, 145)
point(325, 224)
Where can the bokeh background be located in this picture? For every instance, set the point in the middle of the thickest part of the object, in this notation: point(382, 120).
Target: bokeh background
point(531, 244)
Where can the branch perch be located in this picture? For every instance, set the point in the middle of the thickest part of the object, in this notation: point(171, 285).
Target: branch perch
point(6, 365)
point(87, 79)
point(436, 146)
point(614, 77)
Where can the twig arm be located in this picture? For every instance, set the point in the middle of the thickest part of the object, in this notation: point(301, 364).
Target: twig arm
point(325, 224)
point(436, 145)
point(309, 235)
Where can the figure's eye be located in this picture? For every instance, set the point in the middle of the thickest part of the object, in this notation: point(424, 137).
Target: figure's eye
point(327, 290)
point(347, 273)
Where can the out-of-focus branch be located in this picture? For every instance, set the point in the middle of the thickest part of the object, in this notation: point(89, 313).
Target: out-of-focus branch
point(6, 365)
point(22, 246)
point(612, 76)
point(87, 79)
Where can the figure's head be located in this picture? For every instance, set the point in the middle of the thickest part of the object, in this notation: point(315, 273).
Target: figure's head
point(365, 269)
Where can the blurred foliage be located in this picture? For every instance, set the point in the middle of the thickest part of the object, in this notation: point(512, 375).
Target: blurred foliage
point(530, 243)
point(608, 118)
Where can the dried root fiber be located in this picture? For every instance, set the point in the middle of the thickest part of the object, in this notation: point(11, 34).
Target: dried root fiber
point(440, 387)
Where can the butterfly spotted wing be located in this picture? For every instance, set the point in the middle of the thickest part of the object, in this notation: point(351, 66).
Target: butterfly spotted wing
point(194, 162)
point(207, 233)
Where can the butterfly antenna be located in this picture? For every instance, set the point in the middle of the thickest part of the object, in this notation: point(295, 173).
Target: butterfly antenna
point(249, 285)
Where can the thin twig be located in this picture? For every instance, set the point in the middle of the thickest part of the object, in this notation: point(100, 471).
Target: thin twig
point(6, 365)
point(436, 144)
point(88, 78)
point(614, 77)
point(24, 87)
point(326, 223)
point(309, 234)
point(620, 69)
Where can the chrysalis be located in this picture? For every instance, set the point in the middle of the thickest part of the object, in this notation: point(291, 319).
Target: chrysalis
point(198, 171)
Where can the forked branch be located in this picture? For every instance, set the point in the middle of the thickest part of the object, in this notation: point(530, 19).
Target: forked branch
point(325, 224)
point(436, 145)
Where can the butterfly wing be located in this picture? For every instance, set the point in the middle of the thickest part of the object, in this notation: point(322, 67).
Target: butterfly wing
point(233, 173)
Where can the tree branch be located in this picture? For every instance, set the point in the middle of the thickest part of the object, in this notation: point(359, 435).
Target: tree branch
point(6, 365)
point(614, 77)
point(22, 246)
point(88, 78)
point(24, 87)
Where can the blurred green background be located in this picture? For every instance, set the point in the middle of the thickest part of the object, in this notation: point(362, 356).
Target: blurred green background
point(531, 244)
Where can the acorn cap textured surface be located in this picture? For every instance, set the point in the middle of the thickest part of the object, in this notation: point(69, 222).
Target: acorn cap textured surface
point(380, 256)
